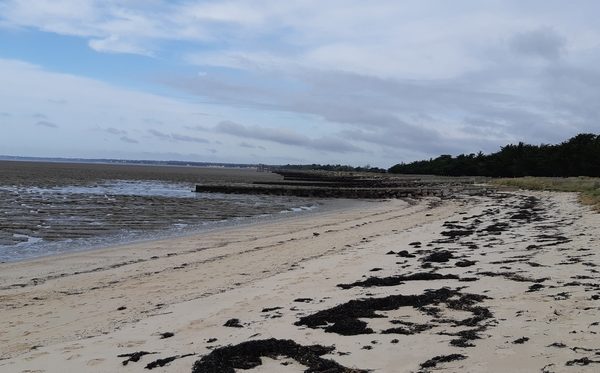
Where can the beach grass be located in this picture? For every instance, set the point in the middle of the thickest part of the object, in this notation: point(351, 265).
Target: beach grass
point(587, 187)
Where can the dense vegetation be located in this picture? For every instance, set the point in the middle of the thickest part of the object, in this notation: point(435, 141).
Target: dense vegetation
point(579, 156)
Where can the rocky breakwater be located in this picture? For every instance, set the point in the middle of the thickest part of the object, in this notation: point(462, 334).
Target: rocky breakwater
point(321, 184)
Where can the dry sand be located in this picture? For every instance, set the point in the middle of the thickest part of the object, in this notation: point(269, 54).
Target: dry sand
point(520, 293)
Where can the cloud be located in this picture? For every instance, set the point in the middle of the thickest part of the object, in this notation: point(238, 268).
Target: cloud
point(197, 128)
point(129, 140)
point(114, 131)
point(45, 123)
point(177, 137)
point(391, 80)
point(40, 116)
point(115, 44)
point(286, 137)
point(160, 135)
point(244, 144)
point(544, 42)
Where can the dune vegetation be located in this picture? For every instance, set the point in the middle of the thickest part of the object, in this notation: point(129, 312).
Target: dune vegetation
point(587, 187)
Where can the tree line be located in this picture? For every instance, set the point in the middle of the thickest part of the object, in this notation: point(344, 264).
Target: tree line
point(578, 156)
point(332, 167)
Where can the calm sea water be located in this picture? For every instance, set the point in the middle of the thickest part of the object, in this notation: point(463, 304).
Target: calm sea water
point(50, 209)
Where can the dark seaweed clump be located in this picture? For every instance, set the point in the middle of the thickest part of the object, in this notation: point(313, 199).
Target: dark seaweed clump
point(233, 323)
point(397, 280)
point(162, 362)
point(135, 356)
point(344, 318)
point(246, 355)
point(442, 359)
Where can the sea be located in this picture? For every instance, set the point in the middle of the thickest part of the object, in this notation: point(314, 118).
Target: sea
point(49, 208)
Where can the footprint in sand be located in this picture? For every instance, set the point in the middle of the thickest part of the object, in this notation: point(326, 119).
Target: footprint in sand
point(94, 362)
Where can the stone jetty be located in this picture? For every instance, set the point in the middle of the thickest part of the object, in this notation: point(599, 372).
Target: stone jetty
point(324, 184)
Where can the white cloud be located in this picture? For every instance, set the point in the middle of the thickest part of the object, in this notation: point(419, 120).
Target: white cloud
point(408, 78)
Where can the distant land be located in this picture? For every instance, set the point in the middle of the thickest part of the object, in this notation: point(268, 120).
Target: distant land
point(327, 167)
point(127, 161)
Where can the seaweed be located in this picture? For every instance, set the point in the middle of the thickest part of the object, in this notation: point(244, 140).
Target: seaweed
point(135, 356)
point(397, 280)
point(431, 363)
point(344, 318)
point(233, 323)
point(162, 362)
point(439, 256)
point(247, 355)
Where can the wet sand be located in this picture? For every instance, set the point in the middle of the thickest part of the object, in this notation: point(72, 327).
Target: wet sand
point(505, 282)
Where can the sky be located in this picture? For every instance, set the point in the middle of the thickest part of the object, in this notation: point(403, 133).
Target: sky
point(305, 81)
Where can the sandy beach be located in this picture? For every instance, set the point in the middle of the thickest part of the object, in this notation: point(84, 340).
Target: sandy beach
point(506, 282)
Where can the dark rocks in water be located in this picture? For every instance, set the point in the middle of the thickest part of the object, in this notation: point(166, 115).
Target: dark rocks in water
point(269, 309)
point(233, 323)
point(405, 254)
point(162, 362)
point(439, 256)
point(465, 263)
point(135, 356)
point(416, 243)
point(442, 359)
point(346, 317)
point(397, 280)
point(166, 335)
point(247, 355)
point(391, 252)
point(211, 340)
point(520, 341)
point(377, 269)
point(122, 308)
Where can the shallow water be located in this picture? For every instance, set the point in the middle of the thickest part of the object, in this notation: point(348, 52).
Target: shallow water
point(49, 216)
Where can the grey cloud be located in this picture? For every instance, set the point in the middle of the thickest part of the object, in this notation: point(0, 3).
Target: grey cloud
point(45, 123)
point(470, 112)
point(5, 114)
point(197, 128)
point(129, 140)
point(544, 42)
point(40, 116)
point(286, 137)
point(160, 135)
point(114, 131)
point(175, 137)
point(244, 144)
point(178, 137)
